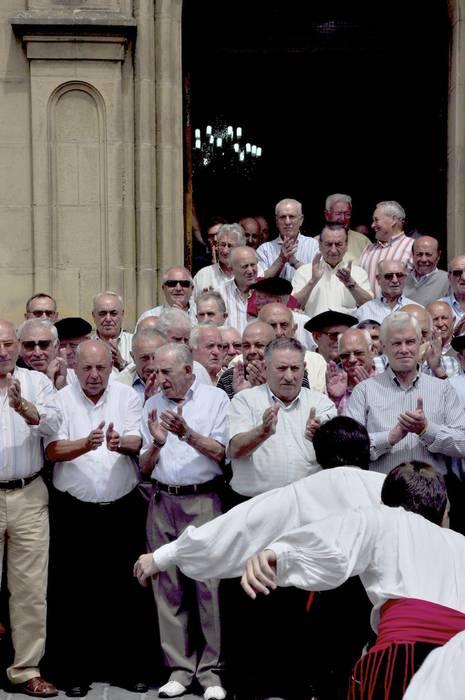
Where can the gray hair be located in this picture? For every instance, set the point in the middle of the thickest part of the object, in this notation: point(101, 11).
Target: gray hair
point(365, 335)
point(333, 199)
point(234, 230)
point(196, 333)
point(37, 323)
point(392, 208)
point(176, 267)
point(380, 265)
point(284, 344)
point(283, 202)
point(182, 353)
point(173, 317)
point(148, 333)
point(40, 295)
point(397, 321)
point(216, 296)
point(107, 294)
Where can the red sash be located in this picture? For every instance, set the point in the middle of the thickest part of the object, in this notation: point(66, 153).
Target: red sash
point(403, 621)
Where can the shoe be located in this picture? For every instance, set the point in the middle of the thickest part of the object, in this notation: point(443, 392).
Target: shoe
point(77, 691)
point(132, 686)
point(214, 692)
point(171, 690)
point(37, 687)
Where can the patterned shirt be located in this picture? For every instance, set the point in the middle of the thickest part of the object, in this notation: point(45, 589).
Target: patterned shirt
point(267, 253)
point(397, 248)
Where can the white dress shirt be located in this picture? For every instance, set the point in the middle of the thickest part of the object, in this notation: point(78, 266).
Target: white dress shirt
point(159, 310)
point(21, 451)
point(397, 554)
point(98, 475)
point(124, 344)
point(378, 309)
point(220, 548)
point(377, 402)
point(267, 253)
point(329, 292)
point(204, 411)
point(213, 277)
point(283, 457)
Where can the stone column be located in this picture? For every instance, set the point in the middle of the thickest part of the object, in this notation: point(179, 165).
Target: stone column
point(456, 133)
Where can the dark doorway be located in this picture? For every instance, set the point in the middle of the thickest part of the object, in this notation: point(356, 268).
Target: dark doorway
point(342, 96)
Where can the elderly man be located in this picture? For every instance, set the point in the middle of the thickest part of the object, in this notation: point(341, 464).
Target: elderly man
point(140, 374)
point(185, 435)
point(391, 278)
point(456, 299)
point(408, 414)
point(253, 236)
point(236, 292)
point(206, 345)
point(97, 522)
point(251, 370)
point(425, 283)
point(39, 350)
point(391, 241)
point(326, 328)
point(214, 276)
point(108, 315)
point(71, 332)
point(356, 357)
point(338, 208)
point(329, 281)
point(290, 250)
point(282, 321)
point(211, 308)
point(443, 321)
point(232, 344)
point(41, 306)
point(433, 360)
point(177, 288)
point(28, 415)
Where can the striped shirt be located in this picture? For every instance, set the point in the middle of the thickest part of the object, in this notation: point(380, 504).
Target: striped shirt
point(267, 253)
point(21, 451)
point(236, 306)
point(377, 403)
point(458, 312)
point(397, 248)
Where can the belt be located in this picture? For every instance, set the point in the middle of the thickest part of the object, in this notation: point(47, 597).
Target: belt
point(189, 489)
point(18, 483)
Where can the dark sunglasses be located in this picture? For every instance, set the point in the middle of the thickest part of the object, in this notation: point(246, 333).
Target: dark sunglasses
point(390, 275)
point(457, 273)
point(31, 344)
point(173, 283)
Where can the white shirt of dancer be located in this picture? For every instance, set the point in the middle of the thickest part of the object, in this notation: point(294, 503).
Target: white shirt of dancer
point(442, 673)
point(397, 554)
point(220, 548)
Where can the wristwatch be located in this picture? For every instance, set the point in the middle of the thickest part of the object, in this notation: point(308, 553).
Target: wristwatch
point(22, 408)
point(186, 435)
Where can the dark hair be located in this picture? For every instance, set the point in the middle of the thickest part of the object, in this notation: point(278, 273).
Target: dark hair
point(342, 440)
point(335, 226)
point(283, 344)
point(417, 487)
point(367, 323)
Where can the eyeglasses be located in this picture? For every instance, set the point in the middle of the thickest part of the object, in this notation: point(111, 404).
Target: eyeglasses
point(390, 275)
point(332, 335)
point(32, 344)
point(358, 354)
point(457, 273)
point(174, 283)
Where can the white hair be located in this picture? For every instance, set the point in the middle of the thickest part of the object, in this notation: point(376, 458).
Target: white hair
point(197, 332)
point(176, 267)
point(397, 321)
point(234, 230)
point(333, 199)
point(284, 202)
point(182, 353)
point(392, 208)
point(107, 294)
point(37, 323)
point(174, 317)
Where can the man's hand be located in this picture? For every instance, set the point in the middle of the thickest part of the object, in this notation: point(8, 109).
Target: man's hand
point(433, 354)
point(336, 382)
point(344, 274)
point(113, 438)
point(260, 574)
point(239, 381)
point(57, 370)
point(96, 437)
point(270, 420)
point(414, 421)
point(174, 422)
point(14, 392)
point(288, 249)
point(313, 423)
point(156, 430)
point(317, 272)
point(145, 567)
point(256, 373)
point(116, 356)
point(360, 374)
point(151, 386)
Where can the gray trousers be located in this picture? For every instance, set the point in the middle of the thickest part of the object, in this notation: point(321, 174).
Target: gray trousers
point(183, 603)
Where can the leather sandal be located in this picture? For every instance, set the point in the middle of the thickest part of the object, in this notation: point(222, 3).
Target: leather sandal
point(37, 687)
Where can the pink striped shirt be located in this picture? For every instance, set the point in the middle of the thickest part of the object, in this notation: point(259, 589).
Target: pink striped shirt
point(397, 248)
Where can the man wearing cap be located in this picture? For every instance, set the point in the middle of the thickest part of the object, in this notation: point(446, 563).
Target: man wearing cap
point(329, 281)
point(326, 329)
point(391, 278)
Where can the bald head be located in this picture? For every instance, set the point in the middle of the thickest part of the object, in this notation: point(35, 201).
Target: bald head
point(280, 318)
point(423, 317)
point(93, 368)
point(9, 348)
point(255, 338)
point(443, 319)
point(243, 261)
point(426, 255)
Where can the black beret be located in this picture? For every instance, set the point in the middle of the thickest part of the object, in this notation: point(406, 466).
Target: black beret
point(330, 318)
point(72, 327)
point(273, 285)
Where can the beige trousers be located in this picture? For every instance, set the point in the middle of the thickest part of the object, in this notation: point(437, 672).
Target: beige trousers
point(25, 533)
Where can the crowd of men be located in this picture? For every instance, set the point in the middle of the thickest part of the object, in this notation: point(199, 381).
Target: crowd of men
point(202, 436)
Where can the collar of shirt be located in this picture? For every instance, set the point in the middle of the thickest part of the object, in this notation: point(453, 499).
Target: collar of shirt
point(396, 381)
point(386, 244)
point(399, 302)
point(419, 280)
point(86, 399)
point(284, 406)
point(190, 394)
point(138, 380)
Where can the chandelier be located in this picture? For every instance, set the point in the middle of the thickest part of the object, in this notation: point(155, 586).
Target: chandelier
point(221, 148)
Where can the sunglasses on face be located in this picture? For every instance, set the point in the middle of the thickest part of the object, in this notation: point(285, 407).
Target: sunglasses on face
point(31, 344)
point(390, 275)
point(457, 273)
point(174, 283)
